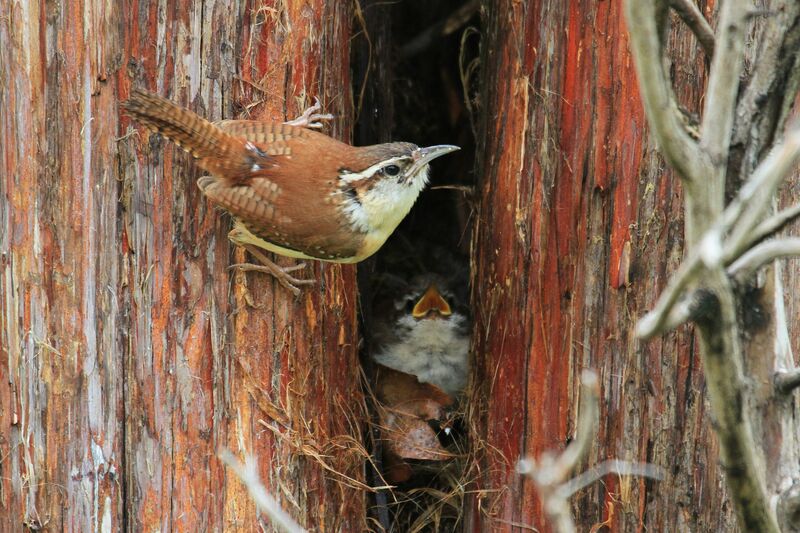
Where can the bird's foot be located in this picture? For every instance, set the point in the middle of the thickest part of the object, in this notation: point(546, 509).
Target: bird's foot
point(311, 117)
point(281, 274)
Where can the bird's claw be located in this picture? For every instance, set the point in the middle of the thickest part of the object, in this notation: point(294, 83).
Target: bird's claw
point(311, 118)
point(281, 274)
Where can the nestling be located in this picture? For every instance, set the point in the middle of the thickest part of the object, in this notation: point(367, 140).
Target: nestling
point(294, 191)
point(427, 337)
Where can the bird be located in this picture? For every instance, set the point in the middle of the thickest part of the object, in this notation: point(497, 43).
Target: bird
point(425, 333)
point(293, 191)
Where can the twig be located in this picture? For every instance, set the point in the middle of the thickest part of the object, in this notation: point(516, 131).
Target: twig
point(612, 466)
point(723, 83)
point(760, 255)
point(663, 114)
point(787, 380)
point(468, 190)
point(756, 195)
point(359, 15)
point(458, 18)
point(688, 11)
point(775, 223)
point(742, 214)
point(248, 474)
point(722, 358)
point(465, 72)
point(551, 472)
point(657, 321)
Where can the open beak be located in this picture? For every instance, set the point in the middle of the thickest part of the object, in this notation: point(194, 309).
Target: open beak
point(432, 300)
point(423, 156)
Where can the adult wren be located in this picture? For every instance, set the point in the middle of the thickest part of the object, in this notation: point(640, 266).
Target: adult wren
point(294, 191)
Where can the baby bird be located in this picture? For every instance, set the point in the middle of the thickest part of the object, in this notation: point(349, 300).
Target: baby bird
point(426, 334)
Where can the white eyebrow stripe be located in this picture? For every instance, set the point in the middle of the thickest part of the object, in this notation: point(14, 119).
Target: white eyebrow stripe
point(350, 177)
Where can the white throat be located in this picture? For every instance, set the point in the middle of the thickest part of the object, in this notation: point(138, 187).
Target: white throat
point(435, 350)
point(379, 210)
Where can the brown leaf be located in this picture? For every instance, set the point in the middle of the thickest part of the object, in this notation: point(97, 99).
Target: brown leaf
point(411, 437)
point(404, 393)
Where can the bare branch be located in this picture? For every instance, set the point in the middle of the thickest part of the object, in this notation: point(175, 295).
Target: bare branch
point(688, 11)
point(787, 380)
point(551, 474)
point(722, 357)
point(613, 466)
point(673, 315)
point(248, 474)
point(678, 148)
point(755, 196)
point(715, 236)
point(760, 255)
point(742, 215)
point(720, 104)
point(660, 319)
point(775, 223)
point(723, 84)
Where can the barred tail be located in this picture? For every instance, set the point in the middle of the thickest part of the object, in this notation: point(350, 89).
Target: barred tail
point(218, 152)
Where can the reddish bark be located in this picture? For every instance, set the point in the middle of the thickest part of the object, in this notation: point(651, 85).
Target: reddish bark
point(129, 354)
point(578, 229)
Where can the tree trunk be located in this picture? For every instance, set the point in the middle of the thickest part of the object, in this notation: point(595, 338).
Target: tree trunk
point(130, 354)
point(580, 224)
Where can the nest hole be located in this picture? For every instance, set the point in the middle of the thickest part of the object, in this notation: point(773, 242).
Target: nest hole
point(415, 67)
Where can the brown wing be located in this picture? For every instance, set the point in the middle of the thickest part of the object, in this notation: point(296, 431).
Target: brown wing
point(291, 203)
point(270, 133)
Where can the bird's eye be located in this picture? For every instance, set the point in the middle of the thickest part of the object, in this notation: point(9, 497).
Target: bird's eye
point(409, 305)
point(391, 170)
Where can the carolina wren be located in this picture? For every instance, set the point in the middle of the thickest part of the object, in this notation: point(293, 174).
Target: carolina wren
point(294, 191)
point(426, 335)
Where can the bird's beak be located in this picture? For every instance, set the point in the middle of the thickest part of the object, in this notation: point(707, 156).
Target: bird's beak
point(432, 300)
point(423, 156)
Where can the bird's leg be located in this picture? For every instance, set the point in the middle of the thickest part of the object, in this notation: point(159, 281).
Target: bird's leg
point(282, 274)
point(311, 118)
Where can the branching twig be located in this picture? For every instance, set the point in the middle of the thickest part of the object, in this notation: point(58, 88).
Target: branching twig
point(697, 23)
point(740, 218)
point(612, 466)
point(715, 236)
point(706, 202)
point(756, 195)
point(775, 223)
point(551, 473)
point(248, 473)
point(658, 320)
point(760, 255)
point(671, 313)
